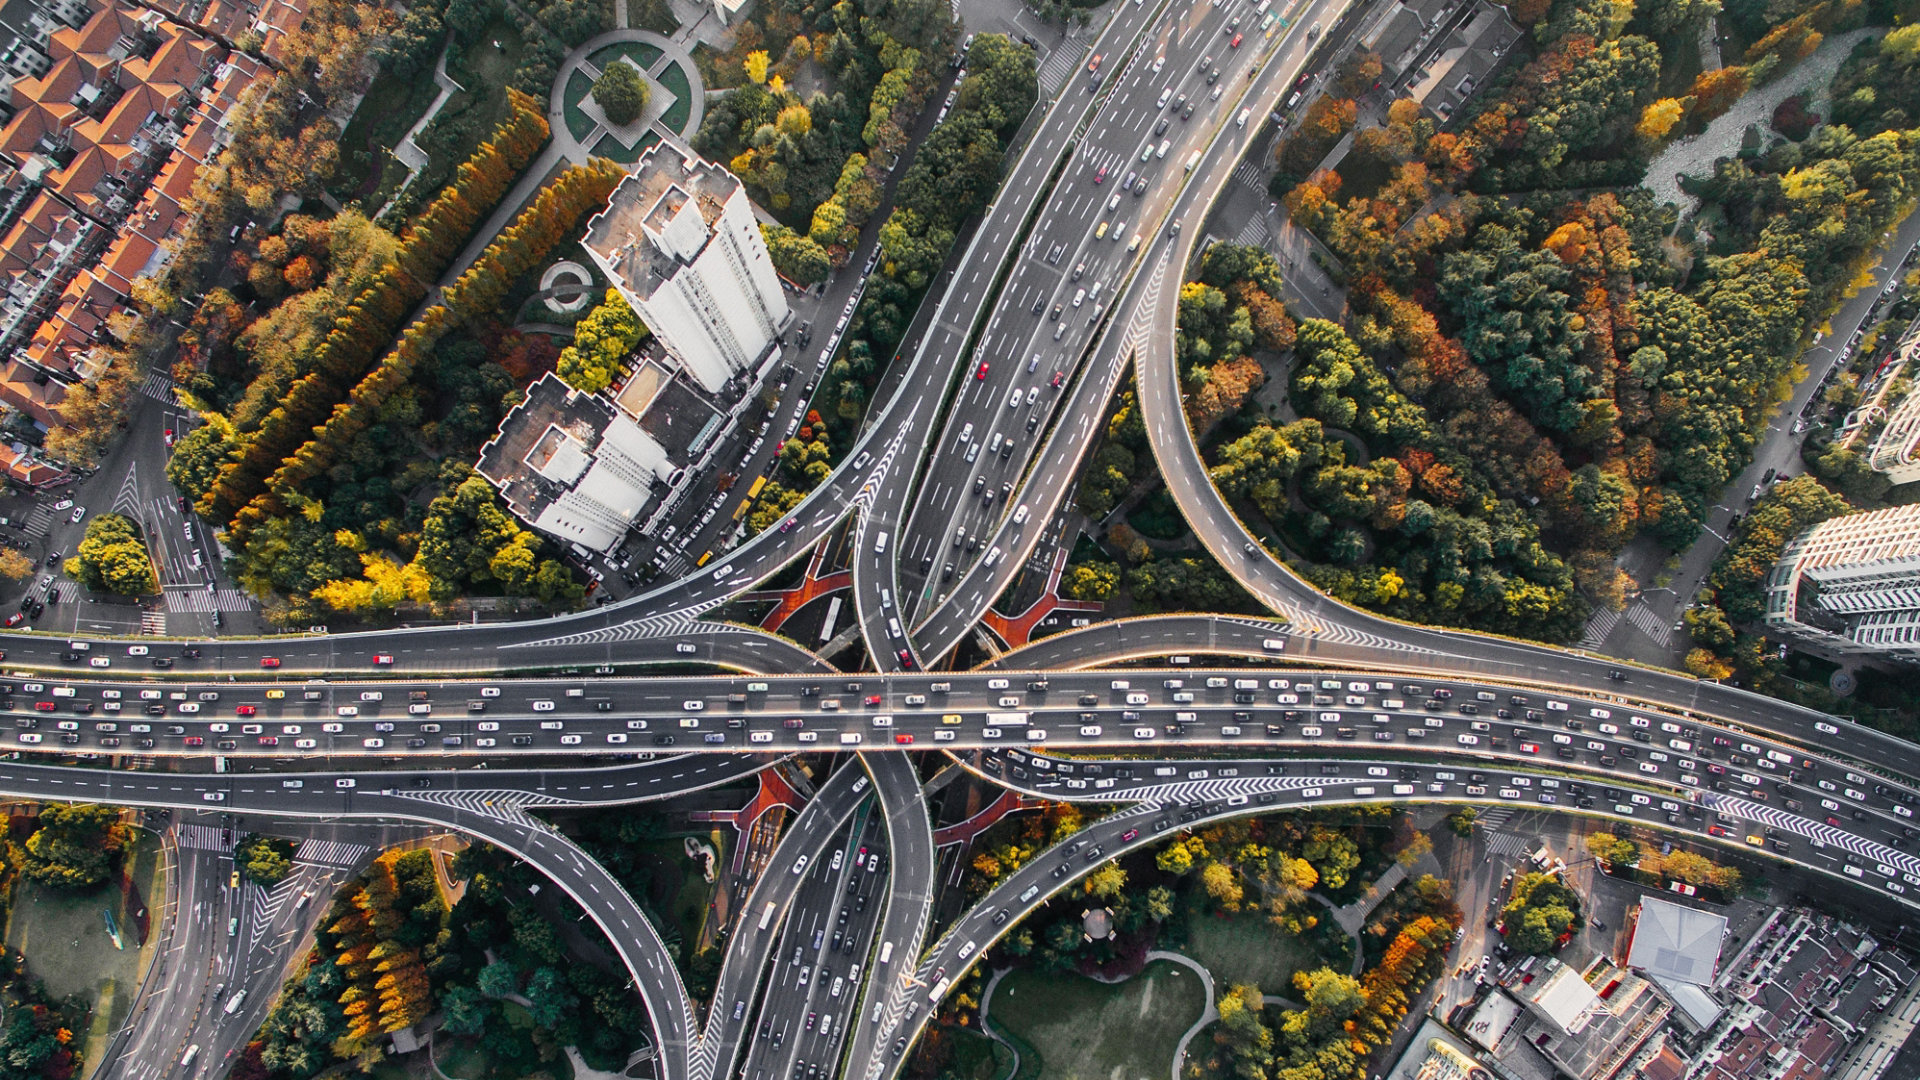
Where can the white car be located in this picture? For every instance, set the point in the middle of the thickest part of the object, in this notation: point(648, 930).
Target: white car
point(685, 649)
point(332, 728)
point(305, 744)
point(616, 737)
point(78, 513)
point(373, 744)
point(99, 661)
point(543, 706)
point(694, 705)
point(344, 783)
point(136, 650)
point(569, 740)
point(63, 504)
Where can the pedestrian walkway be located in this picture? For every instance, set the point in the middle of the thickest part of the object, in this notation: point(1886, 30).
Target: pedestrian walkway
point(1599, 626)
point(1252, 175)
point(1491, 818)
point(158, 387)
point(1506, 845)
point(334, 853)
point(1058, 67)
point(153, 622)
point(200, 600)
point(1651, 624)
point(408, 152)
point(199, 838)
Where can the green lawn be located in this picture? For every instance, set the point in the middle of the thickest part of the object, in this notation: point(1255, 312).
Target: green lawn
point(976, 1057)
point(608, 147)
point(1240, 949)
point(675, 80)
point(1086, 1030)
point(64, 937)
point(642, 53)
point(578, 87)
point(392, 105)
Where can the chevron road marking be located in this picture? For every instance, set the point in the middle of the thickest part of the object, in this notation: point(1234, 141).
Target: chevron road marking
point(1734, 806)
point(499, 804)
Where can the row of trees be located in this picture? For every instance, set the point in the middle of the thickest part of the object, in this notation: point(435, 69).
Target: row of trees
point(1621, 853)
point(353, 337)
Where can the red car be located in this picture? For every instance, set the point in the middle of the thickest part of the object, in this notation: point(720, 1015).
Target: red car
point(1093, 65)
point(1128, 836)
point(43, 706)
point(1058, 378)
point(1101, 176)
point(906, 659)
point(245, 710)
point(903, 739)
point(1235, 43)
point(873, 699)
point(16, 619)
point(982, 373)
point(383, 659)
point(269, 661)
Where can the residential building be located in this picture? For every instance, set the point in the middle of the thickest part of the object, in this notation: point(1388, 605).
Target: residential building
point(1462, 58)
point(1852, 585)
point(1896, 450)
point(1675, 943)
point(680, 242)
point(575, 466)
point(1550, 1019)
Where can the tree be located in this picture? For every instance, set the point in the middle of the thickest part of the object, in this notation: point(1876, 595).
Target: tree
point(1107, 882)
point(622, 92)
point(602, 342)
point(76, 846)
point(15, 566)
point(1417, 845)
point(112, 558)
point(1659, 118)
point(1542, 909)
point(1461, 820)
point(264, 860)
point(1609, 848)
point(1222, 885)
point(798, 258)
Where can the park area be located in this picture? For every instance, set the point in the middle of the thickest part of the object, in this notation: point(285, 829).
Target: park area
point(63, 936)
point(1245, 948)
point(1086, 1030)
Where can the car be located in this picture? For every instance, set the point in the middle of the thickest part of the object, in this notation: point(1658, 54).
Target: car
point(1058, 378)
point(1100, 177)
point(788, 524)
point(100, 662)
point(1129, 836)
point(63, 504)
point(981, 374)
point(167, 436)
point(15, 619)
point(269, 661)
point(245, 710)
point(383, 659)
point(78, 513)
point(1235, 43)
point(685, 649)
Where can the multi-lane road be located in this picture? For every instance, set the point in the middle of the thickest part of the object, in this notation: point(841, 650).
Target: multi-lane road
point(1070, 276)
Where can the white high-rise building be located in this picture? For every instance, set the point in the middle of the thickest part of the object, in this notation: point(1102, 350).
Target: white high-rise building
point(1852, 585)
point(679, 240)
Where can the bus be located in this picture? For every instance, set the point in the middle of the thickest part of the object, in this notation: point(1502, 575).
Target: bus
point(754, 491)
point(703, 560)
point(233, 1003)
point(186, 1059)
point(766, 917)
point(886, 951)
point(1006, 719)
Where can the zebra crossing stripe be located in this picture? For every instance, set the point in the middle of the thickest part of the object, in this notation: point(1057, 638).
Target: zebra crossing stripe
point(1644, 620)
point(332, 853)
point(1598, 627)
point(198, 837)
point(200, 600)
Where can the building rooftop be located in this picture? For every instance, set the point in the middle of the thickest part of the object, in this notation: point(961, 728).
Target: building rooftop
point(678, 417)
point(1672, 941)
point(659, 217)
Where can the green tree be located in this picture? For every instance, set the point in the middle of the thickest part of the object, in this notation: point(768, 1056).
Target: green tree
point(602, 342)
point(264, 860)
point(112, 558)
point(622, 92)
point(798, 258)
point(1541, 909)
point(76, 845)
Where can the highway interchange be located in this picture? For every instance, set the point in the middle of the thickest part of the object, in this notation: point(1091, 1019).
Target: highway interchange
point(832, 966)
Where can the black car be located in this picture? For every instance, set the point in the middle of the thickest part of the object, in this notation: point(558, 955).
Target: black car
point(163, 662)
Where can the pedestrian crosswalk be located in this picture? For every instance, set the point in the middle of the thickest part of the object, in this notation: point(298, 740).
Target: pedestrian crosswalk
point(1491, 818)
point(1643, 619)
point(39, 522)
point(1057, 69)
point(199, 838)
point(1253, 233)
point(185, 600)
point(331, 853)
point(1598, 627)
point(158, 387)
point(1502, 845)
point(153, 622)
point(1252, 175)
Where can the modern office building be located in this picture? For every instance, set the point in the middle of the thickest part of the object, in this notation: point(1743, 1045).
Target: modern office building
point(679, 240)
point(1895, 451)
point(1852, 585)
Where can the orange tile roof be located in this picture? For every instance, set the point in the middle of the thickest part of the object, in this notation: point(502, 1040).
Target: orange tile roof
point(31, 392)
point(27, 470)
